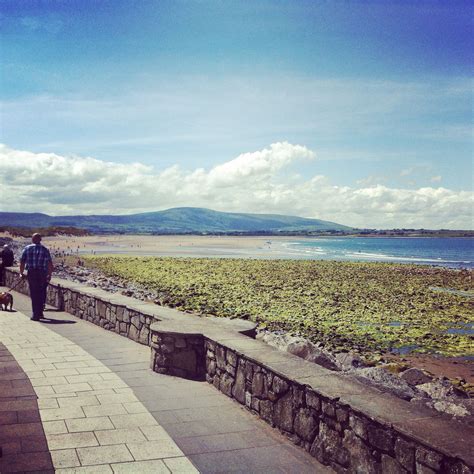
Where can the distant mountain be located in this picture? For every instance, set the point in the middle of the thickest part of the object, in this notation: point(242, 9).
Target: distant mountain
point(176, 221)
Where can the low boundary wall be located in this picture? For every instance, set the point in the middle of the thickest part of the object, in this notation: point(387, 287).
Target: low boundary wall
point(340, 421)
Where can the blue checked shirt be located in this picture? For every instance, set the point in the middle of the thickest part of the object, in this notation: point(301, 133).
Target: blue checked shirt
point(36, 256)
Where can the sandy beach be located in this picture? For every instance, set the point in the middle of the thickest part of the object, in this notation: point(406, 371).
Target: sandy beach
point(170, 245)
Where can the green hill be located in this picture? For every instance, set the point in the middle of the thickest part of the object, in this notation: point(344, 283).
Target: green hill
point(176, 221)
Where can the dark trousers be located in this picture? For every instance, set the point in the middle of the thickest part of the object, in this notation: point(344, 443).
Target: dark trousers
point(37, 281)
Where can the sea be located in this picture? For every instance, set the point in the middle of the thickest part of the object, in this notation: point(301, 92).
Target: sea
point(454, 252)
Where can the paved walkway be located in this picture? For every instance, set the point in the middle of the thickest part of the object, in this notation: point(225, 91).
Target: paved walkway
point(83, 399)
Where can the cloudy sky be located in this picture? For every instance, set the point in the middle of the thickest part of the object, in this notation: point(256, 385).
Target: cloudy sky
point(358, 112)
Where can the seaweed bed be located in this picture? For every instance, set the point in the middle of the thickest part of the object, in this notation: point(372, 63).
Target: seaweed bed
point(369, 308)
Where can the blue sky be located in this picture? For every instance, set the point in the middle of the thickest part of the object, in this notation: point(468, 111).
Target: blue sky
point(380, 91)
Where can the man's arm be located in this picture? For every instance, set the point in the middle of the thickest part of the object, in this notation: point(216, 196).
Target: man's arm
point(50, 269)
point(22, 263)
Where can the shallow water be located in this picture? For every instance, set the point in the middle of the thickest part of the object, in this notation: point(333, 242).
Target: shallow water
point(455, 252)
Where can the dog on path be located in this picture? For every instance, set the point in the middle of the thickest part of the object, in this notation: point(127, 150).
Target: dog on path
point(5, 300)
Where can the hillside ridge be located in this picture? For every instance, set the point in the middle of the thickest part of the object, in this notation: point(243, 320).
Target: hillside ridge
point(176, 220)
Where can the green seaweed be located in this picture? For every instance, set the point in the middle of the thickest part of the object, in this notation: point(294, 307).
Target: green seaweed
point(367, 307)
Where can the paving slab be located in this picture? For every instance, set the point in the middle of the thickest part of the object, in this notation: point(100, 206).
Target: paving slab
point(103, 410)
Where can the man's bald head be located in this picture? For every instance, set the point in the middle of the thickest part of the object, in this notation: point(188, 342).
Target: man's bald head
point(36, 238)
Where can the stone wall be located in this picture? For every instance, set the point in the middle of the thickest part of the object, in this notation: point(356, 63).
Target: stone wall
point(340, 421)
point(125, 316)
point(181, 355)
point(328, 427)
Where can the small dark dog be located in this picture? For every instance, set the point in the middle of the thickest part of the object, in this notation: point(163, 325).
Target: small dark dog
point(5, 300)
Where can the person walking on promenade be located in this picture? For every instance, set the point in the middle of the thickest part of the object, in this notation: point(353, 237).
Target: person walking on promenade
point(37, 260)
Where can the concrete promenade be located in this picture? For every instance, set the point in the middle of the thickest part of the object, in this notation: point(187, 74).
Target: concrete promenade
point(77, 398)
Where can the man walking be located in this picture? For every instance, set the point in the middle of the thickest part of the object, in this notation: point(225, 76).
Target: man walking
point(37, 260)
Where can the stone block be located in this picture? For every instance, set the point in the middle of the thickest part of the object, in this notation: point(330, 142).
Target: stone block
point(238, 390)
point(459, 468)
point(405, 454)
point(144, 333)
point(312, 400)
point(328, 409)
point(248, 400)
point(266, 410)
point(279, 386)
point(306, 424)
point(231, 370)
point(119, 310)
point(298, 396)
point(255, 404)
point(391, 465)
point(180, 342)
point(429, 458)
point(185, 360)
point(210, 354)
point(231, 358)
point(135, 320)
point(342, 415)
point(422, 469)
point(133, 333)
point(360, 454)
point(123, 328)
point(210, 367)
point(359, 426)
point(100, 307)
point(249, 370)
point(161, 360)
point(259, 385)
point(220, 357)
point(380, 438)
point(210, 345)
point(126, 316)
point(226, 384)
point(327, 447)
point(283, 413)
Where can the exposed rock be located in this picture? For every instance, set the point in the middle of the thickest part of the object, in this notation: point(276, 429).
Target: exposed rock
point(301, 348)
point(450, 408)
point(348, 361)
point(441, 389)
point(387, 380)
point(415, 376)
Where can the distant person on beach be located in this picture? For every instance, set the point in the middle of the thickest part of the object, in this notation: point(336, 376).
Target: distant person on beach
point(37, 260)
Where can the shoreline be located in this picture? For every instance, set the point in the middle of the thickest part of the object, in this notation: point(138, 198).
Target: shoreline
point(251, 247)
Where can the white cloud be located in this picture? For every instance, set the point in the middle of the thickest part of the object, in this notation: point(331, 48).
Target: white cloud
point(252, 182)
point(436, 179)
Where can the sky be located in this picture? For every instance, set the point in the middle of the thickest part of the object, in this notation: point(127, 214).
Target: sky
point(358, 112)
